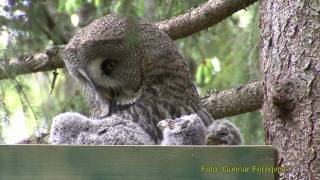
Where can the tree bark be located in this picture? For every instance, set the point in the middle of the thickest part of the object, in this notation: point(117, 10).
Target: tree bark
point(49, 60)
point(202, 17)
point(291, 65)
point(233, 101)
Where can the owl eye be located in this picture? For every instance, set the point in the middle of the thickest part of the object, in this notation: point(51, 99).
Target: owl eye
point(185, 125)
point(223, 133)
point(108, 66)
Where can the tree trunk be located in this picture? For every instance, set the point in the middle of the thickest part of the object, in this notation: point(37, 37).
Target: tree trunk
point(290, 59)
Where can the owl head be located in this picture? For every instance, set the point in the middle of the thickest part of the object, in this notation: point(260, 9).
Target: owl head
point(223, 132)
point(186, 130)
point(66, 128)
point(117, 60)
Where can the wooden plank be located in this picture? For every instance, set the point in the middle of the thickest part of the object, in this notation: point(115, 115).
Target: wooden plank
point(52, 162)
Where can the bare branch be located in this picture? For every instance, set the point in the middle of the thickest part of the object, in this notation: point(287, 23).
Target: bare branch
point(235, 101)
point(202, 17)
point(49, 60)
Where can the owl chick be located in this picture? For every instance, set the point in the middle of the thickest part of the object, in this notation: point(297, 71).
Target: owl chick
point(223, 132)
point(74, 128)
point(130, 68)
point(187, 130)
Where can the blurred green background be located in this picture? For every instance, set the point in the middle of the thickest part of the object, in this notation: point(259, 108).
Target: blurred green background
point(221, 57)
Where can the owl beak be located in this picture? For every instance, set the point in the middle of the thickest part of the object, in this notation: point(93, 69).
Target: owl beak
point(164, 124)
point(107, 94)
point(211, 140)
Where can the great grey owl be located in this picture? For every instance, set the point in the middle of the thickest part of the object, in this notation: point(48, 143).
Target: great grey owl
point(74, 128)
point(130, 69)
point(188, 129)
point(223, 132)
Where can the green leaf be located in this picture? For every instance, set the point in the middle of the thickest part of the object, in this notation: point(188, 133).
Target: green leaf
point(97, 3)
point(207, 73)
point(199, 74)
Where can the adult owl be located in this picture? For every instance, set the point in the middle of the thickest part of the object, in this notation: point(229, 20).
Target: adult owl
point(129, 68)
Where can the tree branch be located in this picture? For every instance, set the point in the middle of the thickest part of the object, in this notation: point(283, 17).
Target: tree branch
point(235, 101)
point(202, 17)
point(49, 60)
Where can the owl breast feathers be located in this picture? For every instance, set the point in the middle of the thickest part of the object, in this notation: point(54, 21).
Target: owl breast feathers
point(129, 68)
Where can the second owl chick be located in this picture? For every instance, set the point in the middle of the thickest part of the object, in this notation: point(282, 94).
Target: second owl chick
point(223, 132)
point(186, 130)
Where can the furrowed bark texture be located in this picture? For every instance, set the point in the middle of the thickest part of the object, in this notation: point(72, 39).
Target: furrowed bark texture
point(291, 66)
point(202, 17)
point(233, 101)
